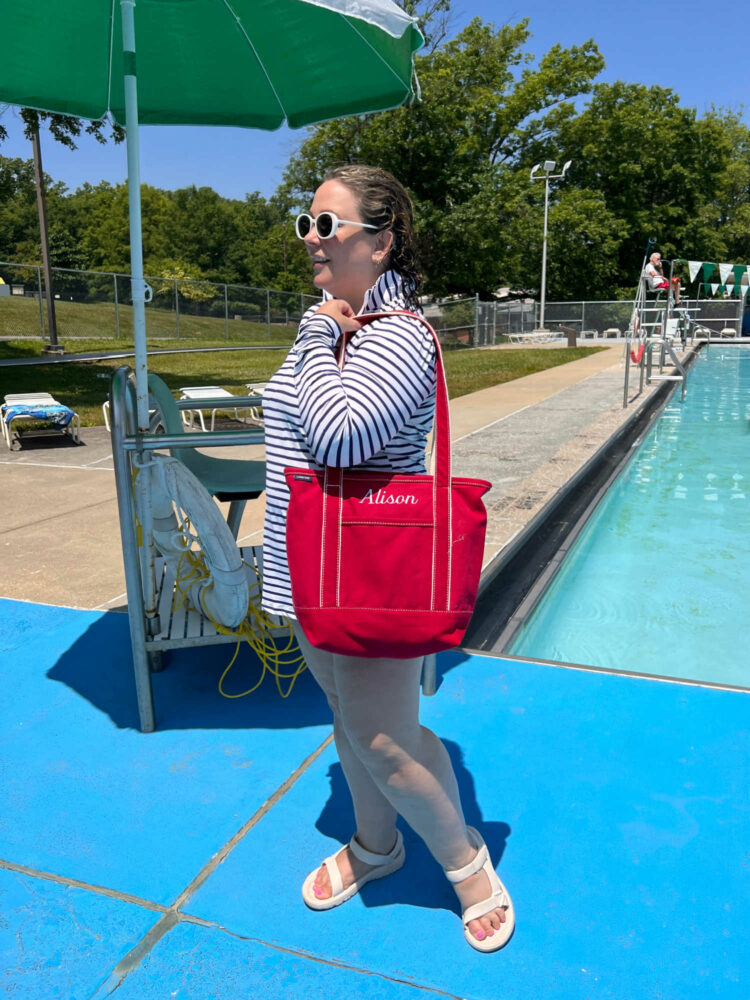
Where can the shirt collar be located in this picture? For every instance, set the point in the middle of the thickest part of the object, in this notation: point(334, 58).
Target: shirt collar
point(386, 294)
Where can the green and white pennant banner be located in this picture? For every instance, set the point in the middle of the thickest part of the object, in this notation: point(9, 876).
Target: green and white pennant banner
point(739, 273)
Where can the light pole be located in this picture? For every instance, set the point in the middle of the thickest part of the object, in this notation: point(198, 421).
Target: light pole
point(548, 166)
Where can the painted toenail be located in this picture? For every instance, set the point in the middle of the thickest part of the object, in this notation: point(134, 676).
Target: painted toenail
point(480, 935)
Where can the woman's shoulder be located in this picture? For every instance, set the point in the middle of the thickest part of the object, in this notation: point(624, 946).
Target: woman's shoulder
point(313, 309)
point(407, 329)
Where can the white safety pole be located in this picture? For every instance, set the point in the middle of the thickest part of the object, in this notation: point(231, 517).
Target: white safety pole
point(134, 201)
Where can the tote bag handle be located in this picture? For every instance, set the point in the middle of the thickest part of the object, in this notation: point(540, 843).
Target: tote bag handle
point(442, 439)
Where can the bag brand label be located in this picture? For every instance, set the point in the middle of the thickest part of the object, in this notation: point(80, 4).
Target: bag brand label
point(381, 496)
point(305, 479)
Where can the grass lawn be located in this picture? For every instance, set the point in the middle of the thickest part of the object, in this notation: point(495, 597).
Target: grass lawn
point(470, 371)
point(84, 385)
point(90, 327)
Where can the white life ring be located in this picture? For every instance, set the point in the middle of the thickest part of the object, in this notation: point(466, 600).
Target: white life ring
point(224, 593)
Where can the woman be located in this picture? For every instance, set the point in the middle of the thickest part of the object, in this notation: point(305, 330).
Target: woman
point(375, 413)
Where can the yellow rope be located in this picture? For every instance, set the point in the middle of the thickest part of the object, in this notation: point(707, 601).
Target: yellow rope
point(255, 629)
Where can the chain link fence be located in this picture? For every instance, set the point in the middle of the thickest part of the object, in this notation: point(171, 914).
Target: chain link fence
point(484, 324)
point(98, 305)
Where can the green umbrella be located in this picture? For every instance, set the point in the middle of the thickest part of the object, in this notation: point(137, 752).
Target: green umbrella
point(251, 63)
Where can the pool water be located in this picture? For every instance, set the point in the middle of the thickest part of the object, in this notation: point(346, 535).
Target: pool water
point(659, 579)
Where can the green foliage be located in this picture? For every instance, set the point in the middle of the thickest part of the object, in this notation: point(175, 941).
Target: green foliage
point(457, 150)
point(18, 219)
point(65, 129)
point(661, 171)
point(643, 165)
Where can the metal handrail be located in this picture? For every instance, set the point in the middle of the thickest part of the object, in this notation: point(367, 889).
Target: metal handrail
point(219, 402)
point(194, 439)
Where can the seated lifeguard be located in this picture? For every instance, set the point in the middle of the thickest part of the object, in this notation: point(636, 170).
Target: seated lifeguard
point(654, 275)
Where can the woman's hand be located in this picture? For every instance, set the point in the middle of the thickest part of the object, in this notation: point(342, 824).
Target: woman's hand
point(342, 312)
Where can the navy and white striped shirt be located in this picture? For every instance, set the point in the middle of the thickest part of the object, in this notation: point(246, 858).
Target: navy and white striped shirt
point(375, 413)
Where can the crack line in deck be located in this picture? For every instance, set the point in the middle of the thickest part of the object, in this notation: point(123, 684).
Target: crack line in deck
point(171, 915)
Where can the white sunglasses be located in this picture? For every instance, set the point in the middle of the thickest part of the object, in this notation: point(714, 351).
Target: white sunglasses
point(326, 224)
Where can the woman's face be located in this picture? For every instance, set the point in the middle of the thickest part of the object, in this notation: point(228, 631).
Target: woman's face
point(347, 263)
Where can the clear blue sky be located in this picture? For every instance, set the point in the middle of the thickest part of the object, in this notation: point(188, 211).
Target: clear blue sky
point(698, 50)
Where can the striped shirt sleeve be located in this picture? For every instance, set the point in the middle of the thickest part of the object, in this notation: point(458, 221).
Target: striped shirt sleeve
point(350, 415)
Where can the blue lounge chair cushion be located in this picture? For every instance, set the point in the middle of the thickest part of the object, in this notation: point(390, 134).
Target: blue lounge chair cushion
point(59, 415)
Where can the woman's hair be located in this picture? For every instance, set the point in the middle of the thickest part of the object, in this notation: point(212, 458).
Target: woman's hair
point(383, 202)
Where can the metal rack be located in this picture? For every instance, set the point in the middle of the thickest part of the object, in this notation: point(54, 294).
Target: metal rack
point(155, 625)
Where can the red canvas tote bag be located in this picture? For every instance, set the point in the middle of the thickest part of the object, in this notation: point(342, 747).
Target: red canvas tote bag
point(384, 564)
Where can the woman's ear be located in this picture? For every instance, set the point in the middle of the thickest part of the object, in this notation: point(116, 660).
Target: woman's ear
point(383, 246)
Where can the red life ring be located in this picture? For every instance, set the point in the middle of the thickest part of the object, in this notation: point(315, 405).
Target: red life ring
point(635, 356)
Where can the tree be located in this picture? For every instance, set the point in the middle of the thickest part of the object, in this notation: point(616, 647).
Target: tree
point(205, 229)
point(457, 150)
point(99, 216)
point(721, 226)
point(18, 218)
point(64, 128)
point(661, 171)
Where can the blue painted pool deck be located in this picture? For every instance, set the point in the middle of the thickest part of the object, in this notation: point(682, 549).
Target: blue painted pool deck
point(168, 865)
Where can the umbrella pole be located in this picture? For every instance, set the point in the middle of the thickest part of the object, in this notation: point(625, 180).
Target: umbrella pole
point(134, 202)
point(142, 459)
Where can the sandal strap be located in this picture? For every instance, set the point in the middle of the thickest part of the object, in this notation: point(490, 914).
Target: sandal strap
point(499, 900)
point(334, 875)
point(368, 858)
point(475, 865)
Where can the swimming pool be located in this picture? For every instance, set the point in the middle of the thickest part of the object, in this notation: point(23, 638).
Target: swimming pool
point(658, 581)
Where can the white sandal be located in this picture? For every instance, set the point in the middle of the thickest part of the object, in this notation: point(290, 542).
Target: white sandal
point(499, 900)
point(383, 864)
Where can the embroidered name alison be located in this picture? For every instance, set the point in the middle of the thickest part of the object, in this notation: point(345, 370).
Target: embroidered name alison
point(382, 497)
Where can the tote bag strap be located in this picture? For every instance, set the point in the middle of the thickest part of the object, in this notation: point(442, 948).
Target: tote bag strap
point(442, 500)
point(442, 446)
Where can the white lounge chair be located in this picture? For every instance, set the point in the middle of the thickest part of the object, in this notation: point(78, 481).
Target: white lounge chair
point(38, 406)
point(535, 337)
point(213, 392)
